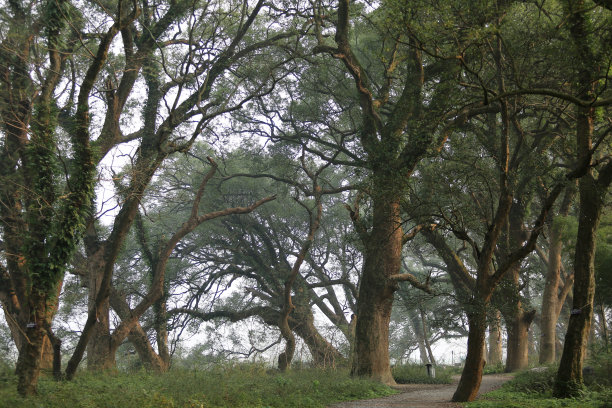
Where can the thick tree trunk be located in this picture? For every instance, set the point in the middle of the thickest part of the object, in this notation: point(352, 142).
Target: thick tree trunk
point(46, 361)
point(324, 354)
point(517, 324)
point(99, 354)
point(569, 377)
point(382, 259)
point(149, 358)
point(28, 363)
point(517, 357)
point(495, 340)
point(471, 376)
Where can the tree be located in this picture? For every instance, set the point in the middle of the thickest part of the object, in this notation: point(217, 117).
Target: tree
point(399, 112)
point(200, 82)
point(46, 191)
point(260, 254)
point(555, 289)
point(593, 183)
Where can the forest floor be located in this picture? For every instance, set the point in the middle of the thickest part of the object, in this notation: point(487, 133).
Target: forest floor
point(426, 395)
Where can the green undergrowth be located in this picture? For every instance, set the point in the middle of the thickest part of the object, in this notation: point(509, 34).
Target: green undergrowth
point(533, 389)
point(417, 374)
point(229, 386)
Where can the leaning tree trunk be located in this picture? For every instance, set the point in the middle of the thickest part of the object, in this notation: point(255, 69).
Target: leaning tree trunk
point(149, 358)
point(382, 259)
point(432, 360)
point(324, 354)
point(471, 376)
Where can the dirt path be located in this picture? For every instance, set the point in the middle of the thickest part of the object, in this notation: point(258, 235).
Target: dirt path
point(425, 395)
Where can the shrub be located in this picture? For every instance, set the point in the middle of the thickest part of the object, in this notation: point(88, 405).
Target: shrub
point(417, 374)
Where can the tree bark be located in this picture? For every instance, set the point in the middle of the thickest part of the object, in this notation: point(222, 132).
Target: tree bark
point(418, 332)
point(517, 325)
point(495, 340)
point(99, 354)
point(569, 377)
point(551, 300)
point(471, 376)
point(382, 259)
point(517, 357)
point(591, 198)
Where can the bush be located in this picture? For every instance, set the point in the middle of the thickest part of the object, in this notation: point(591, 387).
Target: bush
point(417, 374)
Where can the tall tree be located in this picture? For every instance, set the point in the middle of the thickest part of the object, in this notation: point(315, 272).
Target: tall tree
point(45, 190)
point(192, 78)
point(400, 112)
point(591, 63)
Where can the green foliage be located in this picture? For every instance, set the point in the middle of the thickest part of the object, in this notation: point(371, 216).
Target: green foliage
point(244, 385)
point(494, 369)
point(534, 389)
point(417, 374)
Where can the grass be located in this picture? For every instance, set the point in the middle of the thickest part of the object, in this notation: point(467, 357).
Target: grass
point(243, 385)
point(417, 374)
point(533, 389)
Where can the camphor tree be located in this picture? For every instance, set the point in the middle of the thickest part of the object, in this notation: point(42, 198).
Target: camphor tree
point(385, 109)
point(258, 253)
point(195, 72)
point(47, 162)
point(589, 35)
point(52, 63)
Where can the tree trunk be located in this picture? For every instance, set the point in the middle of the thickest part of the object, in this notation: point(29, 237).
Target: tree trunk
point(161, 329)
point(604, 327)
point(517, 324)
point(99, 355)
point(382, 259)
point(323, 353)
point(569, 377)
point(432, 360)
point(591, 197)
point(149, 358)
point(28, 363)
point(46, 361)
point(517, 357)
point(418, 332)
point(495, 340)
point(550, 308)
point(471, 376)
point(551, 303)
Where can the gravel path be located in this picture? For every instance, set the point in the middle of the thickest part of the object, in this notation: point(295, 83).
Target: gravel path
point(425, 395)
